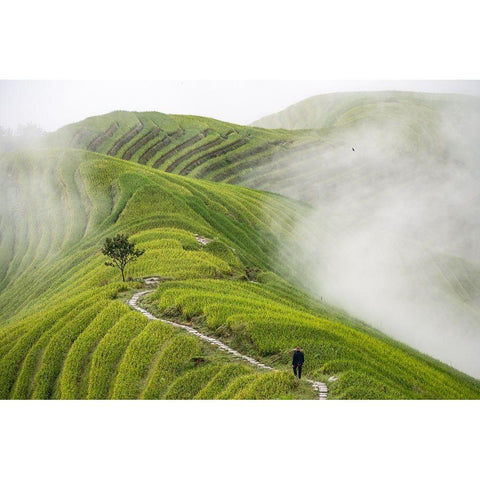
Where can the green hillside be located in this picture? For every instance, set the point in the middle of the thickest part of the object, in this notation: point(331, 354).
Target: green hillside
point(187, 145)
point(335, 109)
point(394, 183)
point(394, 134)
point(66, 331)
point(385, 166)
point(309, 142)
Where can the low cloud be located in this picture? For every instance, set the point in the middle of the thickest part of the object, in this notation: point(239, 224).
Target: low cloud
point(393, 233)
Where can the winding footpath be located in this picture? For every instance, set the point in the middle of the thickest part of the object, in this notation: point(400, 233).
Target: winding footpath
point(319, 387)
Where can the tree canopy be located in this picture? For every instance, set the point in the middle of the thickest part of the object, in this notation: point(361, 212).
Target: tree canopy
point(121, 252)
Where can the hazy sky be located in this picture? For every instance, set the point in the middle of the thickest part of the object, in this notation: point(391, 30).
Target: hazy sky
point(52, 104)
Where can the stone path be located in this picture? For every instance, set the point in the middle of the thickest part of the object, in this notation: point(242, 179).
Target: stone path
point(319, 387)
point(202, 240)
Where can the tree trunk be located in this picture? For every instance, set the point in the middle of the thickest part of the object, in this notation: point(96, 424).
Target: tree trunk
point(123, 275)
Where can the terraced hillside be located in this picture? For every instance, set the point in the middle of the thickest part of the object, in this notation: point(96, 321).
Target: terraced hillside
point(399, 134)
point(309, 143)
point(393, 178)
point(66, 331)
point(187, 145)
point(395, 187)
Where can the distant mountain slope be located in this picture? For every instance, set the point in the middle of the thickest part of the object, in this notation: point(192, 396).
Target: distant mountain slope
point(336, 109)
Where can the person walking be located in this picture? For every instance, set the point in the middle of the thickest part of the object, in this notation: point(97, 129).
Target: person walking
point(298, 359)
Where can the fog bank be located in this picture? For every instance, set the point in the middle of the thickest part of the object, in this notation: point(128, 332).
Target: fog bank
point(393, 234)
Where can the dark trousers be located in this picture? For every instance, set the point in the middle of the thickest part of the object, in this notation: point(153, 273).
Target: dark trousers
point(299, 368)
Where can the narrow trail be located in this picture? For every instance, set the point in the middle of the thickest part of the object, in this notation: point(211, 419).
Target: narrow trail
point(320, 387)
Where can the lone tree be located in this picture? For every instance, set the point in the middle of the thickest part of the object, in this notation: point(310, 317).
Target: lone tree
point(121, 251)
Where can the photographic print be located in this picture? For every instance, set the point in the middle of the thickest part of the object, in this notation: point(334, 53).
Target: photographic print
point(324, 251)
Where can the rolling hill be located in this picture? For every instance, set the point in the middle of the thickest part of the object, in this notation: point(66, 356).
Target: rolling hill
point(66, 329)
point(186, 145)
point(393, 181)
point(246, 266)
point(65, 332)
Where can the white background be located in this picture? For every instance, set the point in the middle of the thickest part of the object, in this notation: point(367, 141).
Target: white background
point(217, 40)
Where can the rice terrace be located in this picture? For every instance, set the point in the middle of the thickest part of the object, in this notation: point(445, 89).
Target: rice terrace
point(346, 225)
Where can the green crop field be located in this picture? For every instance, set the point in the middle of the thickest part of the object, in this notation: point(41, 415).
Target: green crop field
point(187, 145)
point(66, 331)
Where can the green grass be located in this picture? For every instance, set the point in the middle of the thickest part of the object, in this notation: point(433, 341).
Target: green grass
point(188, 385)
point(275, 385)
point(135, 366)
point(172, 361)
point(256, 318)
point(187, 145)
point(66, 333)
point(221, 380)
point(109, 353)
point(57, 349)
point(76, 370)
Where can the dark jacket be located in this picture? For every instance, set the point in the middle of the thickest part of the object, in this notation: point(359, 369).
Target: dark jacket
point(298, 358)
